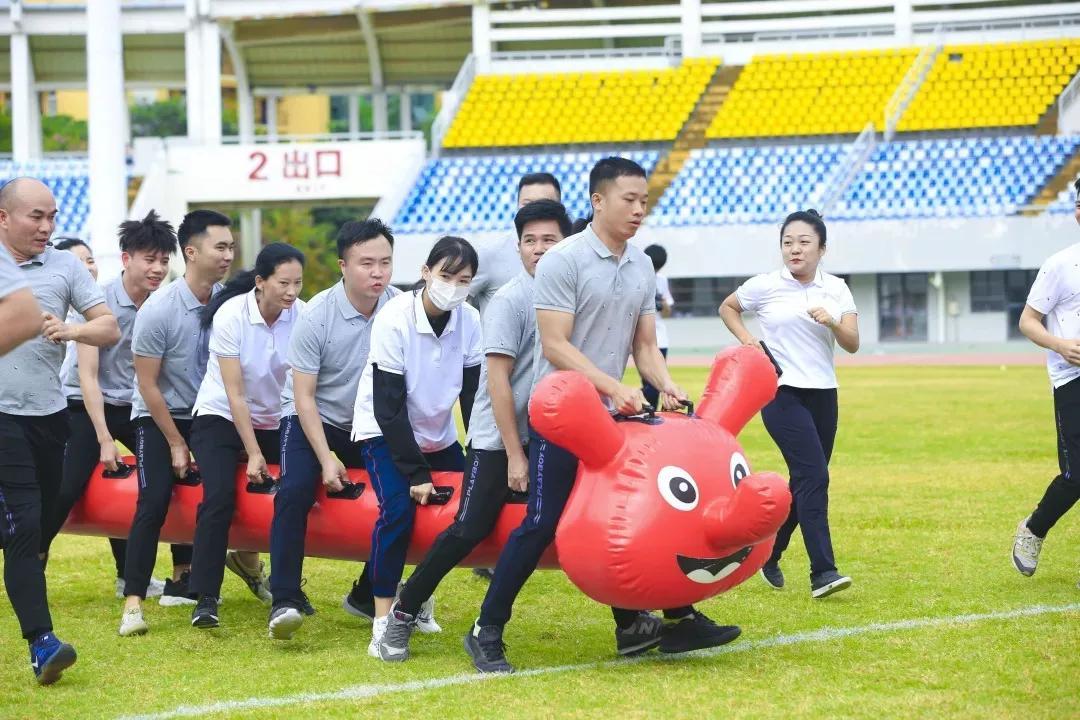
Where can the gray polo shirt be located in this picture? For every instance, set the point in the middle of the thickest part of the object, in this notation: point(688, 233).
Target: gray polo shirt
point(169, 326)
point(509, 329)
point(11, 278)
point(30, 374)
point(116, 364)
point(606, 295)
point(500, 263)
point(331, 340)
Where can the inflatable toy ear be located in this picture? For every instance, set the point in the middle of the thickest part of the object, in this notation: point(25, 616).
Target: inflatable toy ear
point(741, 382)
point(566, 409)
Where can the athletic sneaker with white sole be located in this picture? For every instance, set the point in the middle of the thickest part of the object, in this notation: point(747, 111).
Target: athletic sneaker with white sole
point(378, 629)
point(828, 583)
point(132, 623)
point(425, 618)
point(254, 578)
point(1026, 548)
point(285, 620)
point(773, 575)
point(177, 593)
point(155, 589)
point(394, 646)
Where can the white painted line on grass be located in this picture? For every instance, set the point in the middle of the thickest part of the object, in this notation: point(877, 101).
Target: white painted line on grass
point(360, 692)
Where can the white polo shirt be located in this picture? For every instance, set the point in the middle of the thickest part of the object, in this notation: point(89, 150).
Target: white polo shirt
point(663, 289)
point(403, 343)
point(1056, 294)
point(239, 331)
point(802, 347)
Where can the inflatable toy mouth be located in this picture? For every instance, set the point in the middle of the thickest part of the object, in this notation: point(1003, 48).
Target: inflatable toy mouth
point(710, 570)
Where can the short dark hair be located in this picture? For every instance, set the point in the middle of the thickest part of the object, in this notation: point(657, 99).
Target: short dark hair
point(580, 224)
point(812, 218)
point(197, 221)
point(611, 168)
point(70, 242)
point(355, 232)
point(540, 178)
point(151, 234)
point(1076, 185)
point(658, 255)
point(543, 210)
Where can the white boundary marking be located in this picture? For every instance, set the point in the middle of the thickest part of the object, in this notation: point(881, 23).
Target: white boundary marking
point(361, 692)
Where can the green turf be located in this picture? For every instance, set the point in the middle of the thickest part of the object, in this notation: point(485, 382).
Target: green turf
point(933, 469)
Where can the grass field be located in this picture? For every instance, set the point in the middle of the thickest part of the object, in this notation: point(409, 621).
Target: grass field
point(933, 469)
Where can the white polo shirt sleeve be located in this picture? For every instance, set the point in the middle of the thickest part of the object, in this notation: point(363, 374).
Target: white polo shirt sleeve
point(388, 344)
point(474, 340)
point(752, 292)
point(228, 330)
point(1045, 292)
point(847, 300)
point(556, 283)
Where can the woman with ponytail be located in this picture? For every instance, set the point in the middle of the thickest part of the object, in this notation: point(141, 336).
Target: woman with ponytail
point(425, 355)
point(238, 411)
point(803, 312)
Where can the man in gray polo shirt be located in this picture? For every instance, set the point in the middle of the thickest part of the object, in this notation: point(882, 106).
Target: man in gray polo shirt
point(20, 315)
point(99, 383)
point(500, 262)
point(171, 350)
point(33, 412)
point(327, 354)
point(594, 299)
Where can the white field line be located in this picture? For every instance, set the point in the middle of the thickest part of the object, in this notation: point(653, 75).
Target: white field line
point(360, 692)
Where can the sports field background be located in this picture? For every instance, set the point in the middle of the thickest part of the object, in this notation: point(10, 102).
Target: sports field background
point(934, 467)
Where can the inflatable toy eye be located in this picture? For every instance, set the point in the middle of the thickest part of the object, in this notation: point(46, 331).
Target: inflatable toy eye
point(677, 488)
point(739, 469)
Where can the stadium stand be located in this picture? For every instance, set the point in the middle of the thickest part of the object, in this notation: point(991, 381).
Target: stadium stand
point(591, 107)
point(476, 193)
point(69, 180)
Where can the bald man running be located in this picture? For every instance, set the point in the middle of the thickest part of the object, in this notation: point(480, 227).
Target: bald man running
point(33, 410)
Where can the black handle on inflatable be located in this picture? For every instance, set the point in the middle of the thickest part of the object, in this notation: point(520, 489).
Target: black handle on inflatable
point(441, 495)
point(647, 416)
point(122, 471)
point(348, 491)
point(689, 405)
point(768, 353)
point(192, 478)
point(517, 498)
point(267, 487)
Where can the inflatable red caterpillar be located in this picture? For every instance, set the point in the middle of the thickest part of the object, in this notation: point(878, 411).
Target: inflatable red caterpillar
point(665, 511)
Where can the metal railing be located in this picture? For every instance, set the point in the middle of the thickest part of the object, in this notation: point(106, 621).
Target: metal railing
point(451, 100)
point(1065, 102)
point(910, 84)
point(665, 51)
point(846, 172)
point(324, 137)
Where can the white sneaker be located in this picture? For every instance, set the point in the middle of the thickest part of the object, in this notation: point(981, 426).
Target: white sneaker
point(425, 618)
point(254, 578)
point(132, 623)
point(378, 629)
point(154, 589)
point(1026, 548)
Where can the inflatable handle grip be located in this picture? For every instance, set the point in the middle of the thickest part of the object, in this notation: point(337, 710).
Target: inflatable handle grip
point(193, 477)
point(441, 495)
point(647, 416)
point(768, 353)
point(348, 491)
point(266, 487)
point(689, 405)
point(123, 470)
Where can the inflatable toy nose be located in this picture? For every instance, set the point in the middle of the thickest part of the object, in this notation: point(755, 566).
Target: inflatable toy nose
point(754, 513)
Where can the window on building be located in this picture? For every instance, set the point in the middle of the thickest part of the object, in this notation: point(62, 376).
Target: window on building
point(987, 291)
point(902, 306)
point(701, 297)
point(1017, 284)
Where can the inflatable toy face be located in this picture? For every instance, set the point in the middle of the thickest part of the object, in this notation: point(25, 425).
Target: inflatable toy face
point(665, 512)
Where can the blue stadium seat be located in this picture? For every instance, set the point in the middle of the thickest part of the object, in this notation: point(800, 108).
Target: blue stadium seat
point(69, 180)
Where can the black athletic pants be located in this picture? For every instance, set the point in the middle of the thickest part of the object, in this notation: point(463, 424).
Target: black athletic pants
point(1064, 490)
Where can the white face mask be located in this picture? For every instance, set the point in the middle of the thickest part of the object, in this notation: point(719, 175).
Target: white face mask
point(446, 296)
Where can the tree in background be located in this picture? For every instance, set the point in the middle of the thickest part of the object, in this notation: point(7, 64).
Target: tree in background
point(316, 240)
point(165, 118)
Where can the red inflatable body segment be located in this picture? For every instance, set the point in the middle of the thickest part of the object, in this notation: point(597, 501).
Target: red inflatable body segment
point(665, 511)
point(338, 528)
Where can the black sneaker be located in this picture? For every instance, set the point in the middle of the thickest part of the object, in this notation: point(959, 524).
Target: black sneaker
point(285, 620)
point(205, 614)
point(177, 593)
point(828, 583)
point(305, 605)
point(696, 632)
point(773, 576)
point(484, 573)
point(359, 602)
point(487, 650)
point(643, 635)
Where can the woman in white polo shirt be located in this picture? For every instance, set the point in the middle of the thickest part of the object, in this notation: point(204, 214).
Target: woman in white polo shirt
point(425, 355)
point(802, 311)
point(238, 409)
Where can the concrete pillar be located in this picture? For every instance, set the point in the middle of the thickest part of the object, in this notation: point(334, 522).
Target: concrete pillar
point(250, 235)
point(406, 111)
point(211, 82)
point(272, 117)
point(107, 103)
point(481, 35)
point(904, 30)
point(690, 24)
point(379, 111)
point(25, 107)
point(353, 101)
point(202, 71)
